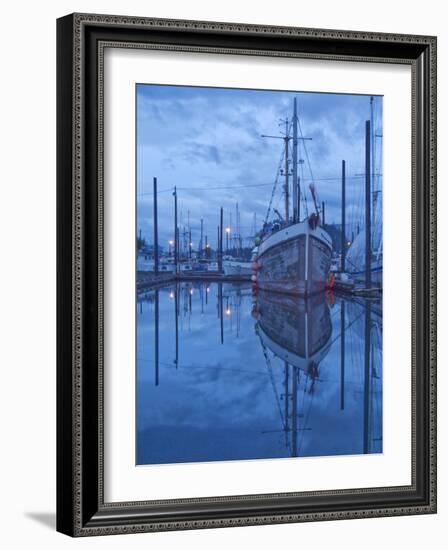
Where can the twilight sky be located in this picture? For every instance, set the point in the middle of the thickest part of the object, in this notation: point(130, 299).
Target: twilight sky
point(207, 142)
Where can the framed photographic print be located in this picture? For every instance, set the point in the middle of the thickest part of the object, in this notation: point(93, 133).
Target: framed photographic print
point(246, 274)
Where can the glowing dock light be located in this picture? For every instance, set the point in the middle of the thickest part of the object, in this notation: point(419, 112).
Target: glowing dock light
point(170, 246)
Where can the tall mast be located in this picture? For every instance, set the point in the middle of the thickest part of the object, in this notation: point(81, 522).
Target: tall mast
point(374, 177)
point(367, 213)
point(156, 230)
point(176, 232)
point(220, 235)
point(286, 138)
point(237, 234)
point(201, 244)
point(240, 241)
point(218, 246)
point(295, 193)
point(372, 145)
point(343, 245)
point(286, 173)
point(232, 239)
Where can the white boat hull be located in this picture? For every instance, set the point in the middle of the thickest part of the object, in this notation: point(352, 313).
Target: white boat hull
point(237, 268)
point(295, 260)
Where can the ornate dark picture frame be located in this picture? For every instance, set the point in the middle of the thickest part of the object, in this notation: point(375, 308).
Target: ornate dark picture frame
point(81, 509)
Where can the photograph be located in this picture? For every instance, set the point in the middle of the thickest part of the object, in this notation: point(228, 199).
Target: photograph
point(259, 274)
point(231, 349)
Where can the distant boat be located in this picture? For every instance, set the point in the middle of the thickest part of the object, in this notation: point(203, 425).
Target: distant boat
point(212, 267)
point(186, 267)
point(356, 256)
point(357, 261)
point(237, 267)
point(144, 263)
point(335, 265)
point(166, 268)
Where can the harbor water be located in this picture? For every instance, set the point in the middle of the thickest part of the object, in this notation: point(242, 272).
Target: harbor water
point(223, 374)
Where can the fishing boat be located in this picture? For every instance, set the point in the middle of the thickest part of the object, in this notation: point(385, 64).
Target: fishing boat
point(294, 256)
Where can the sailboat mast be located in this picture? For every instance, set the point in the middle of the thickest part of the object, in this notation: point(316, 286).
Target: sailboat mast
point(295, 194)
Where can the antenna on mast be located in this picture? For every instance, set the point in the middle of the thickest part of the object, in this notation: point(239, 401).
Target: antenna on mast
point(295, 181)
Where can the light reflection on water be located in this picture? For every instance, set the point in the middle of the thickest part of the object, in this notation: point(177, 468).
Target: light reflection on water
point(221, 377)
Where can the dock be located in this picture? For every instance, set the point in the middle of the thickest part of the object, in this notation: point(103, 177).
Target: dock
point(356, 289)
point(147, 280)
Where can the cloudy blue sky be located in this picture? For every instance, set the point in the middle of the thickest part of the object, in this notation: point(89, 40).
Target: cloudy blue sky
point(207, 142)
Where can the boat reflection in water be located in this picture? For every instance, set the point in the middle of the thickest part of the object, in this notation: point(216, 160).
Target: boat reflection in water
point(224, 376)
point(295, 329)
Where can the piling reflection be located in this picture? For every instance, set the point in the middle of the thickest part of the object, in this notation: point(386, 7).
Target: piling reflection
point(222, 375)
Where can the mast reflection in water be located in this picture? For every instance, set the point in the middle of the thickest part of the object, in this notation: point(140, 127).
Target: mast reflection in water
point(221, 377)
